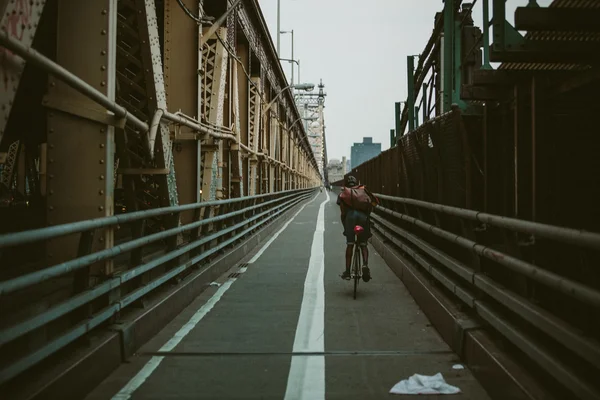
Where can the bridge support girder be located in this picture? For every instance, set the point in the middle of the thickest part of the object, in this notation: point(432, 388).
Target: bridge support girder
point(80, 150)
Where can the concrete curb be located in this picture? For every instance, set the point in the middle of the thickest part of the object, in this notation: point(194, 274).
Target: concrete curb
point(498, 373)
point(87, 366)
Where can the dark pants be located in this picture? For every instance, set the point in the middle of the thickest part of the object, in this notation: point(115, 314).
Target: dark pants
point(353, 218)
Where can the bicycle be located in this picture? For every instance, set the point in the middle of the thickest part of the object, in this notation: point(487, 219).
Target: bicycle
point(356, 271)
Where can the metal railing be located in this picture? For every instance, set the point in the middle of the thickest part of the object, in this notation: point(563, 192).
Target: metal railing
point(480, 276)
point(123, 115)
point(216, 225)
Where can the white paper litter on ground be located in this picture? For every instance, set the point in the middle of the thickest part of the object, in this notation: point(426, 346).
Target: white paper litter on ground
point(424, 384)
point(214, 284)
point(458, 366)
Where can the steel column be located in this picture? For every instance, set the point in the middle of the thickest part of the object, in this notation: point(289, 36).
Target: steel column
point(447, 57)
point(181, 81)
point(157, 96)
point(397, 117)
point(254, 136)
point(410, 69)
point(236, 186)
point(215, 75)
point(80, 152)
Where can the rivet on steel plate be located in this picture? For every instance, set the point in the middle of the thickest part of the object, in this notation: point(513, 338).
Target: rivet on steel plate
point(101, 177)
point(100, 192)
point(101, 161)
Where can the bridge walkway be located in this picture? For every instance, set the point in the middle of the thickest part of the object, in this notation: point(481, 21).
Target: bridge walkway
point(284, 325)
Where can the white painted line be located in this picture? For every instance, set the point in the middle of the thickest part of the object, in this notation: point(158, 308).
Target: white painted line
point(146, 371)
point(137, 381)
point(306, 380)
point(266, 246)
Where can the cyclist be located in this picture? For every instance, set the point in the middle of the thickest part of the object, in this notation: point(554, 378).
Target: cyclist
point(356, 204)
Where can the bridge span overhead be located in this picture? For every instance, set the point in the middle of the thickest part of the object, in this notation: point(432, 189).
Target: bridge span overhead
point(164, 233)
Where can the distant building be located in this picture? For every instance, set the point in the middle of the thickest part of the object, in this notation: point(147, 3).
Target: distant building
point(364, 151)
point(335, 170)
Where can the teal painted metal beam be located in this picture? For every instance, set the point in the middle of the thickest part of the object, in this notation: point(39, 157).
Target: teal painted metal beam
point(392, 138)
point(456, 64)
point(397, 117)
point(486, 35)
point(447, 59)
point(410, 69)
point(417, 117)
point(425, 106)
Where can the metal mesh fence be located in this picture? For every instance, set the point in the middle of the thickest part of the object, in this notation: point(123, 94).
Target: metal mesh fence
point(428, 164)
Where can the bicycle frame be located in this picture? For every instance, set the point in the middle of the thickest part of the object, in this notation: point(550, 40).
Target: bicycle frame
point(356, 271)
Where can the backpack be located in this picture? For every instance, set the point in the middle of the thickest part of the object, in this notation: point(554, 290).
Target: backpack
point(358, 198)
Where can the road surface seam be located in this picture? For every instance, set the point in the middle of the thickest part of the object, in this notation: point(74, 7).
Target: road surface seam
point(300, 353)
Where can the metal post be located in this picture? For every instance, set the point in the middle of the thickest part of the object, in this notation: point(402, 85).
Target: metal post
point(448, 53)
point(199, 107)
point(533, 149)
point(410, 68)
point(181, 65)
point(499, 22)
point(278, 26)
point(397, 117)
point(486, 35)
point(425, 105)
point(457, 61)
point(292, 80)
point(298, 71)
point(416, 117)
point(392, 138)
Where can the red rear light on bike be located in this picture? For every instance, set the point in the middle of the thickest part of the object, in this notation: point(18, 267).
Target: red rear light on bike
point(358, 229)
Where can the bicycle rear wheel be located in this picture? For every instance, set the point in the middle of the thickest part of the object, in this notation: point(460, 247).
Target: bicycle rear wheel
point(356, 268)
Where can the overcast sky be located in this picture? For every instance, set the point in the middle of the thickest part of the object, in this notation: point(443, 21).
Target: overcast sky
point(359, 49)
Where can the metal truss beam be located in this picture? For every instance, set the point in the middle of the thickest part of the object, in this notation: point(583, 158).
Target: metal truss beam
point(561, 19)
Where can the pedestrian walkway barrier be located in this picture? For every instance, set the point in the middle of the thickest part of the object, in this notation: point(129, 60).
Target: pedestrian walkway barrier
point(485, 262)
point(99, 284)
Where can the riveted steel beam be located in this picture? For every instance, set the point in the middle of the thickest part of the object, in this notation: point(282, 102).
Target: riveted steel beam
point(80, 151)
point(182, 57)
